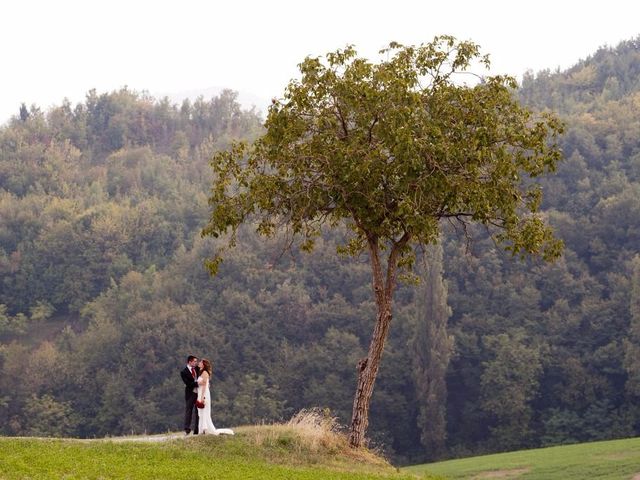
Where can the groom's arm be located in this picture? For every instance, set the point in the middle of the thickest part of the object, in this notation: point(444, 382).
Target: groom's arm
point(188, 379)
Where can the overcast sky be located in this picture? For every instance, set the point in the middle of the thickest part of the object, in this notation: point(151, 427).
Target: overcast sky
point(52, 49)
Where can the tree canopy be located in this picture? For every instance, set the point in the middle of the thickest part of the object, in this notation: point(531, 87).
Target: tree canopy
point(392, 148)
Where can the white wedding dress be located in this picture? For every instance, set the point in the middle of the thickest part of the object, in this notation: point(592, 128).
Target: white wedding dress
point(205, 424)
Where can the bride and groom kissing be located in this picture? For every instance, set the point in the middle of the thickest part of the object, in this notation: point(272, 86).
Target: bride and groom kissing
point(197, 395)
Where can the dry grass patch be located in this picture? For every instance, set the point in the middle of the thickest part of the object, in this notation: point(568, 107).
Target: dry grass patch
point(313, 436)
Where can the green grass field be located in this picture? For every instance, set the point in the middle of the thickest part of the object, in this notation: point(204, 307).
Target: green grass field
point(303, 452)
point(612, 460)
point(269, 452)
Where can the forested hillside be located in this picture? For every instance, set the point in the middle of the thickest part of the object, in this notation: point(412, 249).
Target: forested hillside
point(103, 290)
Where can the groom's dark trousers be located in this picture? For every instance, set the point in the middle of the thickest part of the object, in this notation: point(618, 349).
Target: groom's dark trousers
point(190, 397)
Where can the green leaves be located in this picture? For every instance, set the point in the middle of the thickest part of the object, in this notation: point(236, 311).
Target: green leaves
point(392, 147)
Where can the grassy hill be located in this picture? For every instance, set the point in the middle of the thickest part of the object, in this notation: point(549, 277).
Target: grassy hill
point(611, 460)
point(302, 451)
point(306, 450)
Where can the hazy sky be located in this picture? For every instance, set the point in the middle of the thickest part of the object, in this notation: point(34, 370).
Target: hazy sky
point(52, 49)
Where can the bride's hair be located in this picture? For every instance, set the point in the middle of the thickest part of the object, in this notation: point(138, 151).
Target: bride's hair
point(206, 366)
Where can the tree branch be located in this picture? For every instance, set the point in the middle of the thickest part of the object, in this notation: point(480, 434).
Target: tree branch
point(392, 264)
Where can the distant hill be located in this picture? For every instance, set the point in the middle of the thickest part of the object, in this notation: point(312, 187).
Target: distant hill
point(610, 74)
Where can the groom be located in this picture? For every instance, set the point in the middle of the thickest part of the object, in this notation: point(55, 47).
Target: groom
point(189, 376)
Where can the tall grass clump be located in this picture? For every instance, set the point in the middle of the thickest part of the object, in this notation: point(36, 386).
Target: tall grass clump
point(313, 435)
point(311, 430)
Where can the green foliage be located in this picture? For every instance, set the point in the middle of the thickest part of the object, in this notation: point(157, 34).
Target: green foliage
point(252, 401)
point(432, 347)
point(508, 383)
point(12, 325)
point(45, 417)
point(632, 342)
point(41, 312)
point(561, 427)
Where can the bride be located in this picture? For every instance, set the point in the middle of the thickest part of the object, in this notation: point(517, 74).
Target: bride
point(205, 425)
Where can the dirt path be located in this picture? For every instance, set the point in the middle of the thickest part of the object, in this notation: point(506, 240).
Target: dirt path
point(512, 473)
point(133, 438)
point(148, 438)
point(163, 437)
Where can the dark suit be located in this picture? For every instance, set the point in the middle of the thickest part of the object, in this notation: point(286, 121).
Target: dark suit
point(190, 397)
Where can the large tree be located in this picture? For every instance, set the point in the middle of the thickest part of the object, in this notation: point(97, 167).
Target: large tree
point(391, 149)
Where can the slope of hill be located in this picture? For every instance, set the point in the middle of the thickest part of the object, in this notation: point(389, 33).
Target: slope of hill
point(612, 460)
point(274, 452)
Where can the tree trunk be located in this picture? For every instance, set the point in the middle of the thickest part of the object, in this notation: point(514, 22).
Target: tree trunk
point(368, 366)
point(367, 371)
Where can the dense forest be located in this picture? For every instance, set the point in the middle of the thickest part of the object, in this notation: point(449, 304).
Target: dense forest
point(103, 288)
